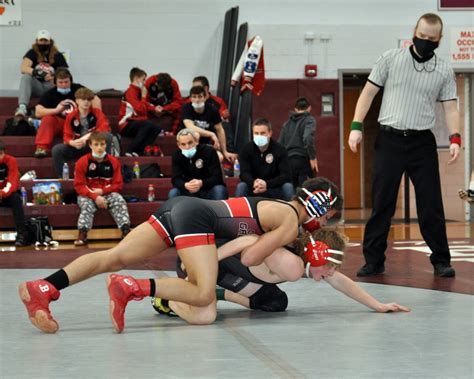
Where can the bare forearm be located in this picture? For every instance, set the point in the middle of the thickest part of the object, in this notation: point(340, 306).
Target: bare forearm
point(190, 125)
point(221, 137)
point(365, 101)
point(236, 246)
point(41, 111)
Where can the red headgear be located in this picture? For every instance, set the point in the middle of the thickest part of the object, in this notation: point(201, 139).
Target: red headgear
point(318, 254)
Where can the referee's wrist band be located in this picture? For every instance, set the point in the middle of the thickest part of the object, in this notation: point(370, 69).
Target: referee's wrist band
point(356, 125)
point(455, 138)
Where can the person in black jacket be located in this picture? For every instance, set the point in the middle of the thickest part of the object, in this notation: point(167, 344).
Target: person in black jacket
point(196, 169)
point(264, 169)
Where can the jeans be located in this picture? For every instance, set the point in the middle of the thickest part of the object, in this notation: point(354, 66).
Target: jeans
point(218, 192)
point(285, 192)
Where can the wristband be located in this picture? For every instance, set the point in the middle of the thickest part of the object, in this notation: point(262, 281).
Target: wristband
point(356, 125)
point(455, 138)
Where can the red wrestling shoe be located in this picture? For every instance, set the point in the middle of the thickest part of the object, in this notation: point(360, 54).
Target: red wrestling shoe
point(36, 296)
point(148, 150)
point(122, 289)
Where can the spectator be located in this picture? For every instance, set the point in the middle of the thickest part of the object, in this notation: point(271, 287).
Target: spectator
point(205, 119)
point(196, 169)
point(37, 69)
point(9, 195)
point(297, 136)
point(98, 181)
point(164, 93)
point(53, 107)
point(135, 111)
point(78, 127)
point(264, 169)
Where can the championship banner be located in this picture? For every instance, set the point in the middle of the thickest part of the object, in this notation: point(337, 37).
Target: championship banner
point(455, 5)
point(10, 12)
point(462, 45)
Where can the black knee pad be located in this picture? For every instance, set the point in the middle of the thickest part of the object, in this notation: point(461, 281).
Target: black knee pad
point(269, 298)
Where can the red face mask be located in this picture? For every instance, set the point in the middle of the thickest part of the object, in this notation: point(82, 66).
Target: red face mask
point(312, 225)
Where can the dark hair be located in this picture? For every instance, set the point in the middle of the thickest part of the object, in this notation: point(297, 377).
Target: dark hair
point(136, 73)
point(62, 73)
point(302, 103)
point(432, 19)
point(163, 81)
point(97, 136)
point(263, 121)
point(197, 90)
point(203, 80)
point(324, 184)
point(2, 146)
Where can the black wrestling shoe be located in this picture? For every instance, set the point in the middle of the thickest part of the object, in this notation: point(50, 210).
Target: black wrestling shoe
point(444, 271)
point(161, 306)
point(370, 270)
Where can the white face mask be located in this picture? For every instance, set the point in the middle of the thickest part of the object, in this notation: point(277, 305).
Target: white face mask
point(140, 85)
point(99, 156)
point(198, 105)
point(260, 141)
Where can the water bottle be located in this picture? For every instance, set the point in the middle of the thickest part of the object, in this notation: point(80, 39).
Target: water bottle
point(151, 192)
point(236, 168)
point(24, 196)
point(35, 122)
point(136, 170)
point(65, 171)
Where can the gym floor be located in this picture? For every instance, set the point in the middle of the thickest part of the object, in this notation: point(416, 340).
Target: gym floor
point(322, 334)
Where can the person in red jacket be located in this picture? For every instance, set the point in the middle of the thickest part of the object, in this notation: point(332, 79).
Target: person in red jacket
point(98, 181)
point(78, 127)
point(164, 93)
point(134, 114)
point(9, 196)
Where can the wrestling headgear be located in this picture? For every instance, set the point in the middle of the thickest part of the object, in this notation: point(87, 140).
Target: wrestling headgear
point(317, 254)
point(318, 203)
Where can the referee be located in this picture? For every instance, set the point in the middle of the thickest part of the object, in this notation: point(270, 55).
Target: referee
point(413, 80)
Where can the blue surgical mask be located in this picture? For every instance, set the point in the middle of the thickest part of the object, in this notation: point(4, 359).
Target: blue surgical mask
point(260, 141)
point(189, 153)
point(64, 91)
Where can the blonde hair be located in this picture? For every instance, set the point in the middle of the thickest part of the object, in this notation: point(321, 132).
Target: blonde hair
point(335, 240)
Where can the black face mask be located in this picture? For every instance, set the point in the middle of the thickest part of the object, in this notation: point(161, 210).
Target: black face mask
point(425, 47)
point(43, 48)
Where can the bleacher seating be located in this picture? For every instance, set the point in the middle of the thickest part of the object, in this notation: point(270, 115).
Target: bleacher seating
point(65, 216)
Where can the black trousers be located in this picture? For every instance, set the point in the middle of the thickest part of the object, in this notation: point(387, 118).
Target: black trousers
point(300, 169)
point(144, 133)
point(14, 202)
point(416, 154)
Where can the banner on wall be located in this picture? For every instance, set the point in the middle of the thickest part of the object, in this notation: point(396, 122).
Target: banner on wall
point(10, 12)
point(462, 45)
point(455, 5)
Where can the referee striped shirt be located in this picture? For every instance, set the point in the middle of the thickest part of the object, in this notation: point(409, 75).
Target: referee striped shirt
point(411, 88)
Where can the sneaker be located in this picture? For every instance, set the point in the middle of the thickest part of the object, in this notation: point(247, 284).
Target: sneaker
point(131, 154)
point(41, 153)
point(121, 289)
point(467, 195)
point(162, 307)
point(148, 150)
point(157, 151)
point(81, 238)
point(370, 270)
point(444, 271)
point(21, 239)
point(21, 111)
point(36, 296)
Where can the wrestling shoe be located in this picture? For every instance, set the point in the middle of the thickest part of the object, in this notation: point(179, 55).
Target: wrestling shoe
point(36, 296)
point(162, 307)
point(122, 289)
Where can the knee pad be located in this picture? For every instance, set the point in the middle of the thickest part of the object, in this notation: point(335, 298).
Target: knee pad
point(269, 298)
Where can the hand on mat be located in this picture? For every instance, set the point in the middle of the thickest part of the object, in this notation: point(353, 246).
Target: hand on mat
point(392, 307)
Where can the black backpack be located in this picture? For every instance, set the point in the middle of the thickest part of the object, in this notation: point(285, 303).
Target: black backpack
point(39, 231)
point(151, 170)
point(18, 128)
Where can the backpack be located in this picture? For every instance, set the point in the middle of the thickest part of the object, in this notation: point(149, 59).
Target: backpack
point(18, 128)
point(151, 170)
point(40, 232)
point(127, 174)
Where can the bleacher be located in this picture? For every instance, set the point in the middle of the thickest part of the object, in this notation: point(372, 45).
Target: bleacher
point(65, 215)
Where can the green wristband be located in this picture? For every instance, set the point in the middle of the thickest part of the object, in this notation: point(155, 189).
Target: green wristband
point(220, 293)
point(356, 125)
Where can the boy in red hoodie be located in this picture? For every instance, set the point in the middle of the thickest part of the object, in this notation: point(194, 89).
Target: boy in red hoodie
point(97, 181)
point(9, 196)
point(134, 113)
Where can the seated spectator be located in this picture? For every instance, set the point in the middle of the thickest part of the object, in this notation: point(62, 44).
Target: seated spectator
point(297, 136)
point(53, 107)
point(78, 127)
point(10, 196)
point(98, 181)
point(196, 169)
point(205, 119)
point(164, 93)
point(135, 111)
point(37, 69)
point(264, 169)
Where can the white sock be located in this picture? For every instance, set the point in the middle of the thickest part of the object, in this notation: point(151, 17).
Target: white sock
point(471, 185)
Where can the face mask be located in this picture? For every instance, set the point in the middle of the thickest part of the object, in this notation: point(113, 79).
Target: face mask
point(198, 105)
point(312, 225)
point(424, 47)
point(189, 153)
point(99, 156)
point(260, 140)
point(64, 91)
point(140, 85)
point(43, 48)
